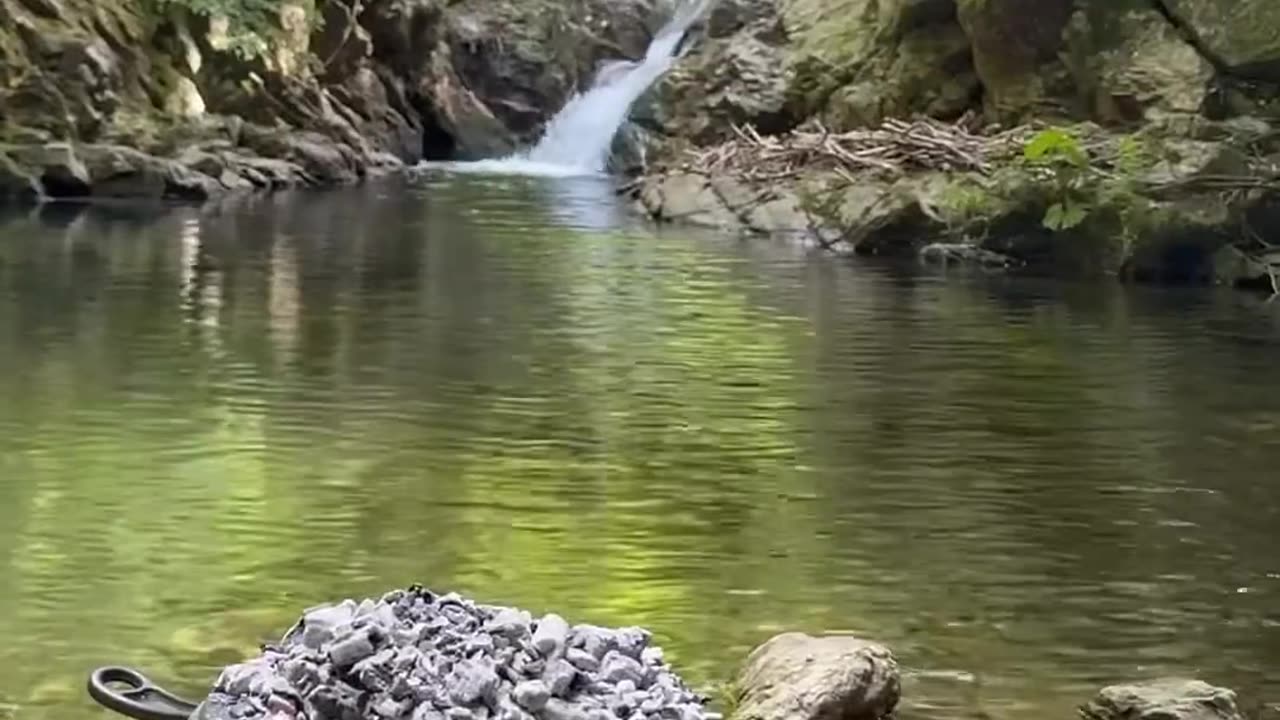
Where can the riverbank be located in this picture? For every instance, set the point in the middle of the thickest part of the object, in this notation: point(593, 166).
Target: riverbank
point(1193, 206)
point(1134, 140)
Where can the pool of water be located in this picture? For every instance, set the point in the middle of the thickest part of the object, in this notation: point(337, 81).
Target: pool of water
point(212, 419)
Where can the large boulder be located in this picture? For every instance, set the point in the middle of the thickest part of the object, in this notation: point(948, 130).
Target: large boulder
point(1112, 60)
point(860, 61)
point(1168, 699)
point(740, 79)
point(1238, 34)
point(798, 677)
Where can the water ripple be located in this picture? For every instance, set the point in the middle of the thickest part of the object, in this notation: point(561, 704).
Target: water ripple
point(499, 386)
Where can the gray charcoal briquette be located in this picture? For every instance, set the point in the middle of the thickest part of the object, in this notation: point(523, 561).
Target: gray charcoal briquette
point(509, 623)
point(583, 660)
point(426, 711)
point(531, 695)
point(559, 676)
point(458, 713)
point(617, 667)
point(351, 650)
point(550, 637)
point(471, 681)
point(557, 709)
point(389, 708)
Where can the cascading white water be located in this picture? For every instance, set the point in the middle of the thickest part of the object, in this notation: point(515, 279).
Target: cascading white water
point(578, 140)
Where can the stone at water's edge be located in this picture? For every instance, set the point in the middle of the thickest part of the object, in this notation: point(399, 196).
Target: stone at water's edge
point(799, 677)
point(1168, 699)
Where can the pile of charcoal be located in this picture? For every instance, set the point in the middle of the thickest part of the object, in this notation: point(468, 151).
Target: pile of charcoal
point(415, 655)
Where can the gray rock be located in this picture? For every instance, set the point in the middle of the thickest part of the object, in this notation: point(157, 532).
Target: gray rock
point(426, 711)
point(616, 668)
point(60, 171)
point(1167, 699)
point(583, 660)
point(472, 681)
point(652, 656)
point(389, 708)
point(16, 181)
point(550, 637)
point(459, 713)
point(557, 709)
point(798, 677)
point(559, 676)
point(532, 695)
point(351, 650)
point(320, 625)
point(509, 623)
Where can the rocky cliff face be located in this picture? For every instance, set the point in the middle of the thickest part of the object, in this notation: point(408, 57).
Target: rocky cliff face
point(338, 89)
point(1193, 82)
point(856, 62)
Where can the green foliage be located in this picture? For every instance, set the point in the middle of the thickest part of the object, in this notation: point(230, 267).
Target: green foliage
point(1080, 186)
point(1059, 153)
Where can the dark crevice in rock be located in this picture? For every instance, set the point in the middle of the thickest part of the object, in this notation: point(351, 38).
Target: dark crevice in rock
point(437, 143)
point(62, 185)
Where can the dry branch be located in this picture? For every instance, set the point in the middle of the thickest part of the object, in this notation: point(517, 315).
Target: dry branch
point(893, 148)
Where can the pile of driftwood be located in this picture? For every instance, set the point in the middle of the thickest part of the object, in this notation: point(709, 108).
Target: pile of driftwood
point(893, 148)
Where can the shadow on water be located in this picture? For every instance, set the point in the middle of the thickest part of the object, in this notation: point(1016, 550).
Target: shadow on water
point(210, 419)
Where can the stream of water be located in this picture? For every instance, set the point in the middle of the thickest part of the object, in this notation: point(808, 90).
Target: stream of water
point(210, 420)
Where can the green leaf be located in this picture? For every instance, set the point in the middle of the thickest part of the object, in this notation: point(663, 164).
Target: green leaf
point(1055, 143)
point(1064, 215)
point(1073, 214)
point(1053, 217)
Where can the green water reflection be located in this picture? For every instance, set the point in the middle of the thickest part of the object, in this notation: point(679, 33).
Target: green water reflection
point(209, 421)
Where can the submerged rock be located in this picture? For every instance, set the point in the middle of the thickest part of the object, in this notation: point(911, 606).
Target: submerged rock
point(415, 655)
point(798, 677)
point(1168, 699)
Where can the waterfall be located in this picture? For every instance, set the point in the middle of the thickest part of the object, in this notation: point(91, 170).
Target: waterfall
point(579, 138)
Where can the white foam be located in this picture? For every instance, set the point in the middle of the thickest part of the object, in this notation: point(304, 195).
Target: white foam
point(578, 140)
